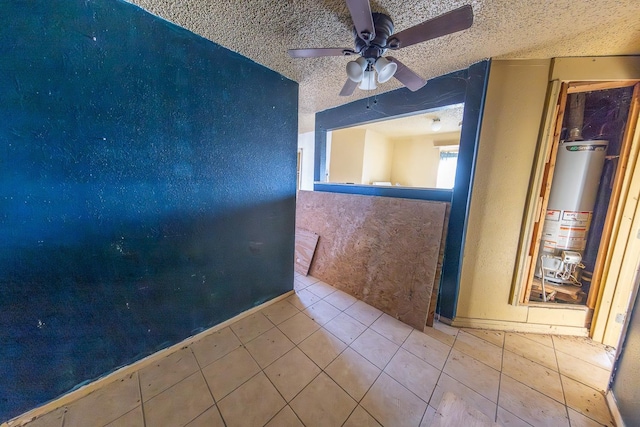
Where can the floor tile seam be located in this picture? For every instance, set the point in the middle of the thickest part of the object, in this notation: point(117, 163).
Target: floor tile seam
point(480, 338)
point(506, 410)
point(202, 367)
point(564, 395)
point(570, 376)
point(303, 388)
point(273, 361)
point(314, 278)
point(320, 296)
point(282, 409)
point(351, 413)
point(332, 360)
point(578, 410)
point(382, 371)
point(557, 369)
point(474, 390)
point(287, 402)
point(208, 388)
point(521, 334)
point(439, 369)
point(589, 416)
point(217, 402)
point(499, 383)
point(296, 344)
point(258, 336)
point(582, 360)
point(346, 308)
point(306, 280)
point(337, 308)
point(167, 387)
point(306, 314)
point(533, 388)
point(355, 338)
point(426, 361)
point(365, 357)
point(602, 392)
point(475, 358)
point(565, 405)
point(363, 324)
point(280, 357)
point(182, 380)
point(208, 408)
point(284, 300)
point(144, 417)
point(239, 385)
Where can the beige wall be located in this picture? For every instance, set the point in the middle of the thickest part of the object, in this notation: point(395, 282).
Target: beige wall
point(415, 162)
point(365, 156)
point(513, 114)
point(347, 152)
point(513, 111)
point(378, 156)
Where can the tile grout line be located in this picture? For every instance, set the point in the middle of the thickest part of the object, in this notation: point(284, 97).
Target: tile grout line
point(144, 418)
point(441, 371)
point(267, 376)
point(321, 369)
point(385, 366)
point(208, 388)
point(500, 382)
point(564, 395)
point(338, 355)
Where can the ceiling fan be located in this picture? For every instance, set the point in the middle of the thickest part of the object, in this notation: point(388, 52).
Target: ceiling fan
point(373, 34)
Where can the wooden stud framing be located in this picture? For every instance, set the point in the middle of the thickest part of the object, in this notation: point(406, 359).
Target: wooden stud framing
point(581, 87)
point(545, 189)
point(610, 235)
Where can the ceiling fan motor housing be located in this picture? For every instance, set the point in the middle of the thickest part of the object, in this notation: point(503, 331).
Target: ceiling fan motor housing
point(375, 48)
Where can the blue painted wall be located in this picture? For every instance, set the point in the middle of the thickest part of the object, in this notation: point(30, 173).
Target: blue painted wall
point(147, 190)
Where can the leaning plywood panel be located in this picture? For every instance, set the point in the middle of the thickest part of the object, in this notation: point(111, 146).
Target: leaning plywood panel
point(436, 282)
point(306, 242)
point(384, 251)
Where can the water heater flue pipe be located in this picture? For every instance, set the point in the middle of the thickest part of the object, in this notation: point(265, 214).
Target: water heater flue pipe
point(575, 121)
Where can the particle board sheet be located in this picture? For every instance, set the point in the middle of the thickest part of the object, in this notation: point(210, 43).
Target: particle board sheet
point(384, 251)
point(306, 242)
point(436, 281)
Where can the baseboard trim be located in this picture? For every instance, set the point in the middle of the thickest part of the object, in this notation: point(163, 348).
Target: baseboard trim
point(124, 371)
point(613, 407)
point(533, 328)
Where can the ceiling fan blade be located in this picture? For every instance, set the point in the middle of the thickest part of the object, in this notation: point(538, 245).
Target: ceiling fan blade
point(348, 88)
point(450, 22)
point(411, 80)
point(321, 51)
point(360, 11)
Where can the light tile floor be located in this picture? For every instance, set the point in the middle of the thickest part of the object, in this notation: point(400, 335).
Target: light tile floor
point(323, 358)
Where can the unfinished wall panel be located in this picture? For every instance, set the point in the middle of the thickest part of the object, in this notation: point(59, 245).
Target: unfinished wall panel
point(384, 251)
point(306, 242)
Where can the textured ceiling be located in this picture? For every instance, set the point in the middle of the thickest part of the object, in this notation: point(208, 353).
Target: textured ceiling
point(263, 30)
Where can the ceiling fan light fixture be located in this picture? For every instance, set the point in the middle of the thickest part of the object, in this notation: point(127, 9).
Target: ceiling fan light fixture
point(436, 124)
point(355, 69)
point(385, 68)
point(368, 80)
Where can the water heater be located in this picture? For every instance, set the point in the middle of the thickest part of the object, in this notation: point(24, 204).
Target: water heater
point(572, 198)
